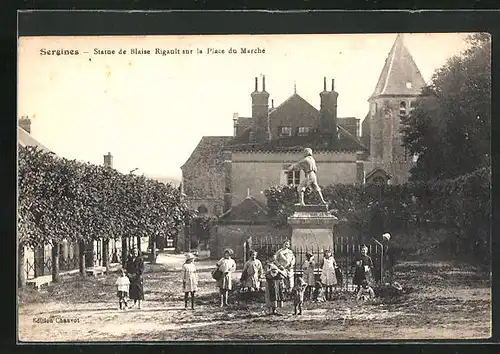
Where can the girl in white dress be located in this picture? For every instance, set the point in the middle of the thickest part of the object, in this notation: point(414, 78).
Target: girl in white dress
point(328, 277)
point(189, 280)
point(227, 266)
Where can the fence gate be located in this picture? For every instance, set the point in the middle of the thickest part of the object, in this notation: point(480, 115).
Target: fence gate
point(345, 251)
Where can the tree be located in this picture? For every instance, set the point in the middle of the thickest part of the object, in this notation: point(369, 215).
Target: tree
point(449, 128)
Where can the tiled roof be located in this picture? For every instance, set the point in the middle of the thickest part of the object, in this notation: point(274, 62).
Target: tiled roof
point(25, 139)
point(249, 210)
point(316, 141)
point(399, 69)
point(208, 149)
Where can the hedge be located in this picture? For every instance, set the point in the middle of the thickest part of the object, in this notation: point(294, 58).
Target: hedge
point(460, 205)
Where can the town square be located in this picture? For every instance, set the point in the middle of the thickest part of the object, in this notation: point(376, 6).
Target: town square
point(338, 192)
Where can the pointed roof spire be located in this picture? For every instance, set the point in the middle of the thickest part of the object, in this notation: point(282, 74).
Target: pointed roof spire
point(400, 75)
point(295, 87)
point(248, 192)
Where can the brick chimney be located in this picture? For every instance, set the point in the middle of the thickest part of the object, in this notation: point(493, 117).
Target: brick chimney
point(235, 124)
point(260, 112)
point(108, 160)
point(25, 123)
point(328, 110)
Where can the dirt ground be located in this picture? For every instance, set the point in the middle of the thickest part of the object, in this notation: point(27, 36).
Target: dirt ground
point(447, 301)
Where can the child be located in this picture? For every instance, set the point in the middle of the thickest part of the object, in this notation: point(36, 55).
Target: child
point(363, 266)
point(308, 268)
point(319, 293)
point(227, 266)
point(122, 285)
point(298, 295)
point(365, 292)
point(189, 280)
point(252, 272)
point(274, 285)
point(328, 277)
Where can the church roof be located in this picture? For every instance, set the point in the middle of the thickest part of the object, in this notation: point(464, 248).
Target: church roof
point(400, 75)
point(249, 210)
point(25, 139)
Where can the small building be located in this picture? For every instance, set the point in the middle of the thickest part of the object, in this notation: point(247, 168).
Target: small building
point(240, 225)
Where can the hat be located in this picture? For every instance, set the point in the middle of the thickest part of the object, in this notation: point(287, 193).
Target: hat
point(387, 236)
point(190, 256)
point(308, 151)
point(229, 250)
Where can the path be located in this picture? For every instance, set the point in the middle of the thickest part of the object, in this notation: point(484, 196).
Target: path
point(451, 303)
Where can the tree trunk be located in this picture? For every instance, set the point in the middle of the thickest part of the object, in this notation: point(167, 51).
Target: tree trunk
point(153, 250)
point(21, 267)
point(138, 245)
point(55, 263)
point(124, 251)
point(105, 254)
point(81, 258)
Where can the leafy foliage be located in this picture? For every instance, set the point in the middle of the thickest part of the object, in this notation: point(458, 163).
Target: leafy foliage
point(66, 199)
point(450, 126)
point(461, 206)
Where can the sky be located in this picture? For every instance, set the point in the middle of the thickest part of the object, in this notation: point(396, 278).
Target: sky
point(151, 110)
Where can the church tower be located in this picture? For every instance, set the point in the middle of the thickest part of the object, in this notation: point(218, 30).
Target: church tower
point(398, 86)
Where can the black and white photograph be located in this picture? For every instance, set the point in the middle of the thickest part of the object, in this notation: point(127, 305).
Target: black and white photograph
point(305, 187)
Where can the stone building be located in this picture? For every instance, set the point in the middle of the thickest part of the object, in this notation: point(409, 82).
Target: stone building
point(222, 169)
point(397, 89)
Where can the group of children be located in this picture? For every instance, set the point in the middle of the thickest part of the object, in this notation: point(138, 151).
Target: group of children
point(273, 280)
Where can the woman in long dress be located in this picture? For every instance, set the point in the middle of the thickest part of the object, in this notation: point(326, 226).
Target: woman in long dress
point(135, 269)
point(227, 266)
point(328, 277)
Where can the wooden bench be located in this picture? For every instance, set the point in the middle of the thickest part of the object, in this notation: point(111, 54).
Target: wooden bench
point(39, 281)
point(95, 271)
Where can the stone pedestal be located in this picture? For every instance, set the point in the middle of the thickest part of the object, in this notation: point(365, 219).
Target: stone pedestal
point(312, 228)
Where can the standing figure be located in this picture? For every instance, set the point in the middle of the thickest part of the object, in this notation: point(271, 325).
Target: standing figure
point(227, 266)
point(298, 295)
point(274, 285)
point(388, 260)
point(363, 266)
point(135, 269)
point(122, 285)
point(308, 165)
point(189, 280)
point(309, 278)
point(252, 272)
point(285, 260)
point(328, 277)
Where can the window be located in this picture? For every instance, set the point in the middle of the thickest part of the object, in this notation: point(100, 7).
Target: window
point(408, 85)
point(304, 130)
point(286, 131)
point(402, 108)
point(293, 178)
point(379, 180)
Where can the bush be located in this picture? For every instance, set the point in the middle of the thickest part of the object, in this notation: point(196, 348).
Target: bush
point(461, 206)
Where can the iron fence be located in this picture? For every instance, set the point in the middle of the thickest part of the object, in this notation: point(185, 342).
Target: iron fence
point(345, 251)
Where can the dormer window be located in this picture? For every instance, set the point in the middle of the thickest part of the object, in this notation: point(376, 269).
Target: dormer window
point(304, 131)
point(408, 85)
point(286, 131)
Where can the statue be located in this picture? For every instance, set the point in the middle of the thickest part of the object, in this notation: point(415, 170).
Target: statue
point(308, 164)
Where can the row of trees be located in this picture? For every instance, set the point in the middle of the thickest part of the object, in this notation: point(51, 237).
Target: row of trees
point(61, 199)
point(461, 206)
